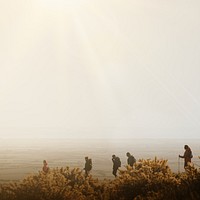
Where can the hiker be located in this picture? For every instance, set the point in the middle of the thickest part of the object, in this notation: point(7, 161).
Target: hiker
point(45, 168)
point(116, 164)
point(187, 156)
point(131, 160)
point(88, 166)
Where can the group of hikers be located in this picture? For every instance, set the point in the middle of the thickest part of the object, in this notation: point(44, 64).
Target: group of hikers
point(130, 161)
point(117, 163)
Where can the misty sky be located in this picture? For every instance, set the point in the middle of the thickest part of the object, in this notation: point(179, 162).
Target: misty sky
point(100, 68)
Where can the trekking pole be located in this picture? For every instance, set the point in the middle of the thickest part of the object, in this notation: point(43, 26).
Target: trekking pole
point(178, 164)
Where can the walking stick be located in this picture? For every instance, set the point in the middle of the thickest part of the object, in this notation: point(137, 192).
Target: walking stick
point(178, 164)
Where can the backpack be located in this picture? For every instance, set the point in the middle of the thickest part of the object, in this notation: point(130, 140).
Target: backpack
point(118, 162)
point(132, 160)
point(90, 164)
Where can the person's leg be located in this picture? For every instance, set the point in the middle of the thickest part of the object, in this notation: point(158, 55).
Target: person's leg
point(185, 164)
point(86, 173)
point(115, 172)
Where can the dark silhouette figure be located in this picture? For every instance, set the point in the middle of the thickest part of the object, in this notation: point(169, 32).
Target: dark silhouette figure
point(131, 160)
point(187, 156)
point(88, 166)
point(116, 164)
point(45, 167)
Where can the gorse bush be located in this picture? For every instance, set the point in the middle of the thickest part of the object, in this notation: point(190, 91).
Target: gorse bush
point(58, 184)
point(148, 179)
point(147, 175)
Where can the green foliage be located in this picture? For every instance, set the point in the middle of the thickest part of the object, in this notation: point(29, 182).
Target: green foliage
point(148, 179)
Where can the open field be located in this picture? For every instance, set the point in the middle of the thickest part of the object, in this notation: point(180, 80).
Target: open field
point(20, 157)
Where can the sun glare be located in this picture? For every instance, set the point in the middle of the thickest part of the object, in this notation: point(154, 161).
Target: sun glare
point(61, 3)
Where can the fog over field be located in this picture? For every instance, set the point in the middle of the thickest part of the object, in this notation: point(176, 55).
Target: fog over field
point(22, 157)
point(99, 69)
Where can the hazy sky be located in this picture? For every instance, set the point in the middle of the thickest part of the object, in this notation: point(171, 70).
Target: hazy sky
point(107, 68)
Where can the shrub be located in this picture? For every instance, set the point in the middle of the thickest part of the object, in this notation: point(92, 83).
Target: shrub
point(148, 179)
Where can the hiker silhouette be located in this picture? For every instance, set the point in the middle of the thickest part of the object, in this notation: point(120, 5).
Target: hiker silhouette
point(131, 159)
point(88, 166)
point(116, 164)
point(187, 156)
point(45, 167)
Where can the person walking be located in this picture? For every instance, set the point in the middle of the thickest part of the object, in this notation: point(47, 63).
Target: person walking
point(45, 167)
point(116, 164)
point(88, 166)
point(131, 159)
point(187, 156)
